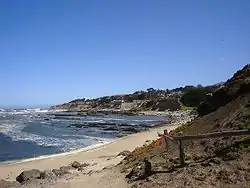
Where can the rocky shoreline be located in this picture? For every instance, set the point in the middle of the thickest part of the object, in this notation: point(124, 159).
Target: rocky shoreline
point(47, 178)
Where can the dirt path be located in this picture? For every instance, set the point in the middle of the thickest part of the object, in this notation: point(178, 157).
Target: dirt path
point(109, 178)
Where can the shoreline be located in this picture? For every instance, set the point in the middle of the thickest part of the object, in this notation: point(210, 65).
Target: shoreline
point(9, 170)
point(87, 148)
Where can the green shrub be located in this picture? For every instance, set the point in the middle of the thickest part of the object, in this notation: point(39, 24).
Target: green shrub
point(183, 127)
point(194, 97)
point(183, 107)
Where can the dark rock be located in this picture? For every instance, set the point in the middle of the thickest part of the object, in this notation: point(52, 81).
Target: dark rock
point(130, 174)
point(198, 157)
point(124, 153)
point(83, 166)
point(28, 175)
point(174, 160)
point(206, 164)
point(59, 172)
point(130, 129)
point(203, 142)
point(110, 129)
point(247, 105)
point(147, 167)
point(230, 156)
point(215, 161)
point(76, 164)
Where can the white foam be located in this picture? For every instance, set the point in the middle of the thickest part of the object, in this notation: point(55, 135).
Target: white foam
point(15, 132)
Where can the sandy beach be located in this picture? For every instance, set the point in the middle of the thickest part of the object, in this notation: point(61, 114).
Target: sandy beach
point(99, 157)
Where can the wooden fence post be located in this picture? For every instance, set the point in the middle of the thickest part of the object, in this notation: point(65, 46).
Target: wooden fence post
point(199, 136)
point(182, 155)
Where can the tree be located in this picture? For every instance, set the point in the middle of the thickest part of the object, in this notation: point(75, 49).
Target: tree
point(150, 90)
point(194, 97)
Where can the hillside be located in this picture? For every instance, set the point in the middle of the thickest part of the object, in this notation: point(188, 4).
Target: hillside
point(151, 99)
point(217, 162)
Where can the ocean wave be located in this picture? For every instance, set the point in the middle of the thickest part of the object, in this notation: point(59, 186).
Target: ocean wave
point(28, 111)
point(14, 131)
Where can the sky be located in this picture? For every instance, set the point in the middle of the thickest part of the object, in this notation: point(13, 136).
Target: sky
point(53, 51)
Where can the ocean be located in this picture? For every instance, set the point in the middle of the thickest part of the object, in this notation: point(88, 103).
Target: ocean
point(29, 133)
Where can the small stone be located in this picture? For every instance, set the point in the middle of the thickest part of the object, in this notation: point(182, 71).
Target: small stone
point(83, 166)
point(241, 167)
point(205, 164)
point(124, 153)
point(203, 142)
point(187, 157)
point(90, 172)
point(130, 174)
point(192, 164)
point(215, 161)
point(60, 172)
point(200, 177)
point(230, 156)
point(174, 160)
point(134, 186)
point(198, 157)
point(76, 164)
point(47, 174)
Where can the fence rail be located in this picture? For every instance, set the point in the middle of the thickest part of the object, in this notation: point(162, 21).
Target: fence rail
point(201, 136)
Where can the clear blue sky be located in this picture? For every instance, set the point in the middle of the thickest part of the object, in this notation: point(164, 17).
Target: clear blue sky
point(53, 51)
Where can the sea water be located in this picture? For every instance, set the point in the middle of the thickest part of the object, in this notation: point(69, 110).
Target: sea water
point(29, 133)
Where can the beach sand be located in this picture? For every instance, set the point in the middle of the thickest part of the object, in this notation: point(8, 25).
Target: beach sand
point(102, 156)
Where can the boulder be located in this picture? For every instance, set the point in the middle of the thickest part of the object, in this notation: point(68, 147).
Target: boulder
point(76, 164)
point(124, 153)
point(28, 175)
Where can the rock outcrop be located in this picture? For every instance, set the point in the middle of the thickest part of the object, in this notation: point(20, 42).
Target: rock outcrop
point(28, 175)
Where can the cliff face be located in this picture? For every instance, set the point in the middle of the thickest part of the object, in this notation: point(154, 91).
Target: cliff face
point(210, 162)
point(162, 104)
point(238, 85)
point(152, 100)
